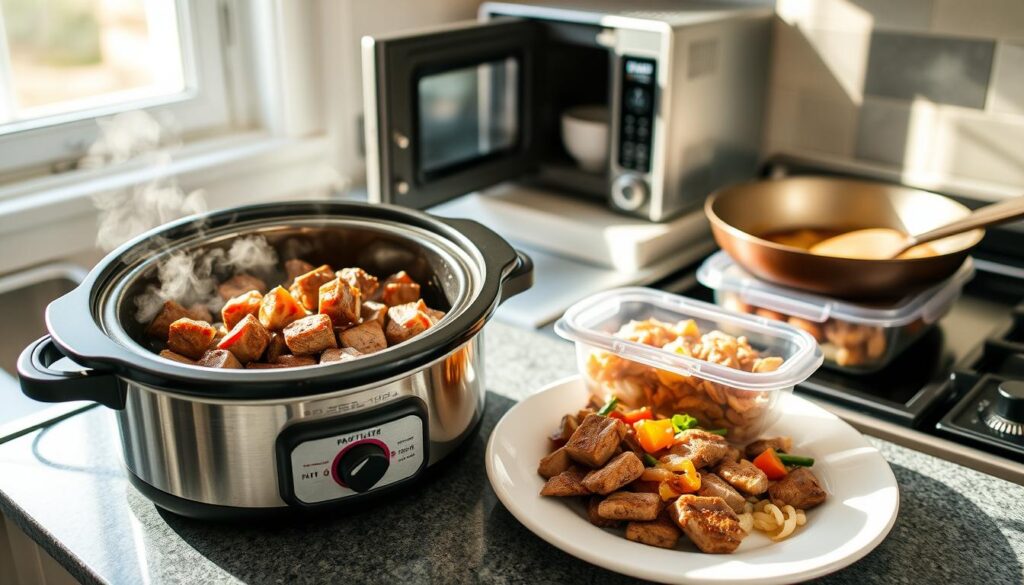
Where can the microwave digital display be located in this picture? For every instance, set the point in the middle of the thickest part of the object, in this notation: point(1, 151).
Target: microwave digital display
point(636, 113)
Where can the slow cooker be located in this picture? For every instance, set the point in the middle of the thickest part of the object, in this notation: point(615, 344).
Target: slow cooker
point(214, 443)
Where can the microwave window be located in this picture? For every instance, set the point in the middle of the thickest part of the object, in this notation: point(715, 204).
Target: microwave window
point(467, 114)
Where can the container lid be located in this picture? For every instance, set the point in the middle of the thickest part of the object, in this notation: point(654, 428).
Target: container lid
point(594, 321)
point(721, 273)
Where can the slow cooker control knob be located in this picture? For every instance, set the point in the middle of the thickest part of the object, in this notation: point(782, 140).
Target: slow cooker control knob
point(362, 466)
point(1006, 415)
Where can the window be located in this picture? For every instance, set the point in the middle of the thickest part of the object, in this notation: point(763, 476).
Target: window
point(64, 63)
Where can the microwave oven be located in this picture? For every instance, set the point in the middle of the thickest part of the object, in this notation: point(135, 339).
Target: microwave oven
point(465, 106)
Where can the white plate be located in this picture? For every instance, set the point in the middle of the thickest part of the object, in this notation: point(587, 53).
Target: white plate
point(861, 508)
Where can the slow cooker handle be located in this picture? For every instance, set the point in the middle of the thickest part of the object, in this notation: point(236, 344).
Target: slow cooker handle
point(520, 279)
point(41, 382)
point(518, 267)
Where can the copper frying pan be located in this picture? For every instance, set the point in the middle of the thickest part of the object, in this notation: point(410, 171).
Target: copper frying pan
point(740, 214)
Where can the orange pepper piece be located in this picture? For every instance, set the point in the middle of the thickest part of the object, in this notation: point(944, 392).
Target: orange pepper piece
point(654, 435)
point(768, 462)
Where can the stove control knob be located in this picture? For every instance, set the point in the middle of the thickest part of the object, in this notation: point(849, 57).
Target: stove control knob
point(1006, 415)
point(362, 466)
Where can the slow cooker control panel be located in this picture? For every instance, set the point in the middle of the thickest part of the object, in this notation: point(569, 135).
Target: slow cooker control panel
point(328, 460)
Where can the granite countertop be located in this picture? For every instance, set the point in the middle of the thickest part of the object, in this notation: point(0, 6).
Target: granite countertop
point(64, 486)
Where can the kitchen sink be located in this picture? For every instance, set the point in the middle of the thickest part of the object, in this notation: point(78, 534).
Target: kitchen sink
point(23, 300)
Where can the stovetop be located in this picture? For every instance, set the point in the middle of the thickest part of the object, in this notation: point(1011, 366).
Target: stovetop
point(958, 391)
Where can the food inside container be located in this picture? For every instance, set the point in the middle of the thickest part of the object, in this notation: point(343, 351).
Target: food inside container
point(676, 355)
point(854, 337)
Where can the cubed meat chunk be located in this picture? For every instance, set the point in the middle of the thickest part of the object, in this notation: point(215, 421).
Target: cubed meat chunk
point(343, 354)
point(435, 315)
point(373, 311)
point(367, 338)
point(660, 532)
point(360, 279)
point(618, 472)
point(783, 444)
point(712, 486)
point(340, 302)
point(276, 348)
point(407, 321)
point(280, 309)
point(800, 489)
point(592, 504)
point(630, 506)
point(709, 522)
point(399, 289)
point(567, 483)
point(200, 312)
point(161, 324)
point(219, 358)
point(168, 354)
point(239, 285)
point(295, 268)
point(554, 463)
point(238, 307)
point(219, 332)
point(310, 335)
point(306, 288)
point(190, 338)
point(295, 361)
point(247, 340)
point(704, 449)
point(566, 428)
point(596, 440)
point(744, 476)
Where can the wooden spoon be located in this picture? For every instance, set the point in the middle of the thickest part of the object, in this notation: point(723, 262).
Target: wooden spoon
point(887, 243)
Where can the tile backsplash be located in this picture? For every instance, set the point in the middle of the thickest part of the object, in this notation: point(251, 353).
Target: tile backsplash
point(928, 91)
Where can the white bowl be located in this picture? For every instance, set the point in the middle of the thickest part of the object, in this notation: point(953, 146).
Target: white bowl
point(585, 136)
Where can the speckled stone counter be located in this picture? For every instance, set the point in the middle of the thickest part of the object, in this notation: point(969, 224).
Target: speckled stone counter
point(64, 486)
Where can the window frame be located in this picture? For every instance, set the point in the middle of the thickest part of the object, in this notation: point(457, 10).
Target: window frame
point(53, 143)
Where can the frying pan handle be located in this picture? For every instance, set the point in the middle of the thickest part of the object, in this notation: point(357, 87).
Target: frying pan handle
point(990, 215)
point(41, 382)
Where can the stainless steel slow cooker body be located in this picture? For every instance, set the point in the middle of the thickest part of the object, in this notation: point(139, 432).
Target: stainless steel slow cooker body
point(230, 443)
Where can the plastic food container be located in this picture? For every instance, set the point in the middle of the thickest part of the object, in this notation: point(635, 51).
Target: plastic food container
point(858, 338)
point(620, 352)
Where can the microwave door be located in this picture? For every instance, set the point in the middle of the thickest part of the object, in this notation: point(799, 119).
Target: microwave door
point(450, 110)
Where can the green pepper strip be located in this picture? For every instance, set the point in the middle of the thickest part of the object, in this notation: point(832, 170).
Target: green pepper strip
point(718, 431)
point(796, 460)
point(649, 460)
point(608, 406)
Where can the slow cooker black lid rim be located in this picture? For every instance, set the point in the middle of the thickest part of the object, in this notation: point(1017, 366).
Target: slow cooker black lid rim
point(78, 308)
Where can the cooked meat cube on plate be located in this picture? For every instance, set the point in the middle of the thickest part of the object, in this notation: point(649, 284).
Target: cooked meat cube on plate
point(704, 449)
point(567, 483)
point(373, 311)
point(661, 532)
point(239, 285)
point(712, 486)
point(295, 268)
point(407, 321)
point(310, 335)
point(280, 309)
point(399, 289)
point(554, 463)
point(592, 504)
point(295, 361)
point(169, 313)
point(783, 444)
point(709, 522)
point(566, 428)
point(340, 301)
point(200, 312)
point(359, 278)
point(247, 340)
point(744, 476)
point(219, 358)
point(733, 454)
point(166, 353)
point(618, 472)
point(367, 338)
point(343, 354)
point(596, 440)
point(630, 506)
point(800, 489)
point(190, 338)
point(238, 307)
point(306, 288)
point(276, 348)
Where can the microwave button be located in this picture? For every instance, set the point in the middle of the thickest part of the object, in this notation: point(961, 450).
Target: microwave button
point(629, 192)
point(639, 100)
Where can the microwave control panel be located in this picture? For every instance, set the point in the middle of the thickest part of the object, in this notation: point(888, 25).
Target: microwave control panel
point(636, 113)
